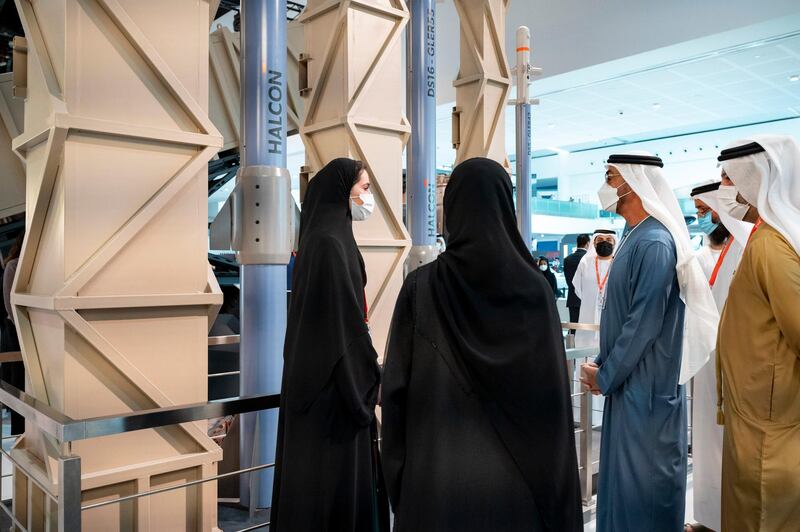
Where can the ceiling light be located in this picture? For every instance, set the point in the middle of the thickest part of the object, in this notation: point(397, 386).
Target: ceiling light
point(794, 77)
point(656, 106)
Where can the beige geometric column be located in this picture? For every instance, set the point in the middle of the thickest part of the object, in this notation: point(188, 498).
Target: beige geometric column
point(354, 108)
point(225, 87)
point(483, 81)
point(12, 182)
point(113, 291)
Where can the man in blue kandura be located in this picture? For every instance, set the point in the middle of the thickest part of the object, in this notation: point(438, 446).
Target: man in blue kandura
point(657, 329)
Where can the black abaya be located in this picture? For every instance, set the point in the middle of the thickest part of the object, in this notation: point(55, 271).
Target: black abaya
point(324, 466)
point(477, 418)
point(550, 277)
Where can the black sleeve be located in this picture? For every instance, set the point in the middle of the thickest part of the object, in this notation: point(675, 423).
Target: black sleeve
point(357, 377)
point(570, 267)
point(396, 375)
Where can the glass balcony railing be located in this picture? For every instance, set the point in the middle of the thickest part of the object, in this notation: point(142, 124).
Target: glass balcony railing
point(571, 209)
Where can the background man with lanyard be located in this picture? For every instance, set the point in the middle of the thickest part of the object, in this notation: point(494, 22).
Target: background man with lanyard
point(570, 267)
point(590, 283)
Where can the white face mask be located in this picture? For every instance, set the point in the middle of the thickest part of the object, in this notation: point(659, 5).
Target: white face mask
point(608, 197)
point(727, 197)
point(543, 267)
point(362, 212)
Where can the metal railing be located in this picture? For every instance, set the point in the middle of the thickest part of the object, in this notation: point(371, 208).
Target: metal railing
point(230, 339)
point(573, 209)
point(66, 494)
point(584, 432)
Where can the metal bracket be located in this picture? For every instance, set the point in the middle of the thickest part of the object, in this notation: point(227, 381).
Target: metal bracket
point(420, 256)
point(262, 212)
point(456, 124)
point(19, 58)
point(305, 173)
point(303, 74)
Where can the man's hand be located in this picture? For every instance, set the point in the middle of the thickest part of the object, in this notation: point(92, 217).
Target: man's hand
point(589, 377)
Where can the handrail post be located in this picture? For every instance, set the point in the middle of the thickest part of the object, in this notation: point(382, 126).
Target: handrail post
point(586, 446)
point(69, 494)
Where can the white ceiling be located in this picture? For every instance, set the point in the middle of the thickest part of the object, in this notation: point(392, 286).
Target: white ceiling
point(570, 35)
point(745, 84)
point(740, 87)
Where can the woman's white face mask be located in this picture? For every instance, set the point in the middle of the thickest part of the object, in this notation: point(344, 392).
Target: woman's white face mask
point(727, 198)
point(363, 211)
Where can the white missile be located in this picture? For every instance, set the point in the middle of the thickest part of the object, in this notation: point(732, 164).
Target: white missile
point(523, 62)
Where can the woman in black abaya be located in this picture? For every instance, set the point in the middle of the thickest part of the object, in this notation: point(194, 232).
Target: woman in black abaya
point(325, 477)
point(550, 277)
point(477, 420)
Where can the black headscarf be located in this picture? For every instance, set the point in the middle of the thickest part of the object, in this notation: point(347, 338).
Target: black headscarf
point(327, 311)
point(549, 276)
point(501, 318)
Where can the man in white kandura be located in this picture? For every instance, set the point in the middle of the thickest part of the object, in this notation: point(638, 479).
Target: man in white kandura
point(715, 234)
point(590, 283)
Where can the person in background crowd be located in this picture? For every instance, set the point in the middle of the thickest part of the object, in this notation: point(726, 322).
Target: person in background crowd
point(590, 283)
point(477, 421)
point(716, 234)
point(544, 267)
point(706, 434)
point(656, 294)
point(758, 349)
point(12, 372)
point(570, 267)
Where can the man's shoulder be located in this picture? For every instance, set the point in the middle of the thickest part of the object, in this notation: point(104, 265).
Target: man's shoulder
point(769, 242)
point(656, 232)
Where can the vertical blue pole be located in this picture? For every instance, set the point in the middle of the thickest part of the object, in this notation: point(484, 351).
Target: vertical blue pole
point(421, 176)
point(524, 200)
point(263, 286)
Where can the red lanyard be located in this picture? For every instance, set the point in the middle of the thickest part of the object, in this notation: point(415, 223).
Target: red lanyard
point(755, 227)
point(366, 308)
point(600, 284)
point(725, 252)
point(719, 261)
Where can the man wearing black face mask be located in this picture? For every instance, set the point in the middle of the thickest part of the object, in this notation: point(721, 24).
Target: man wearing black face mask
point(571, 263)
point(590, 283)
point(604, 248)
